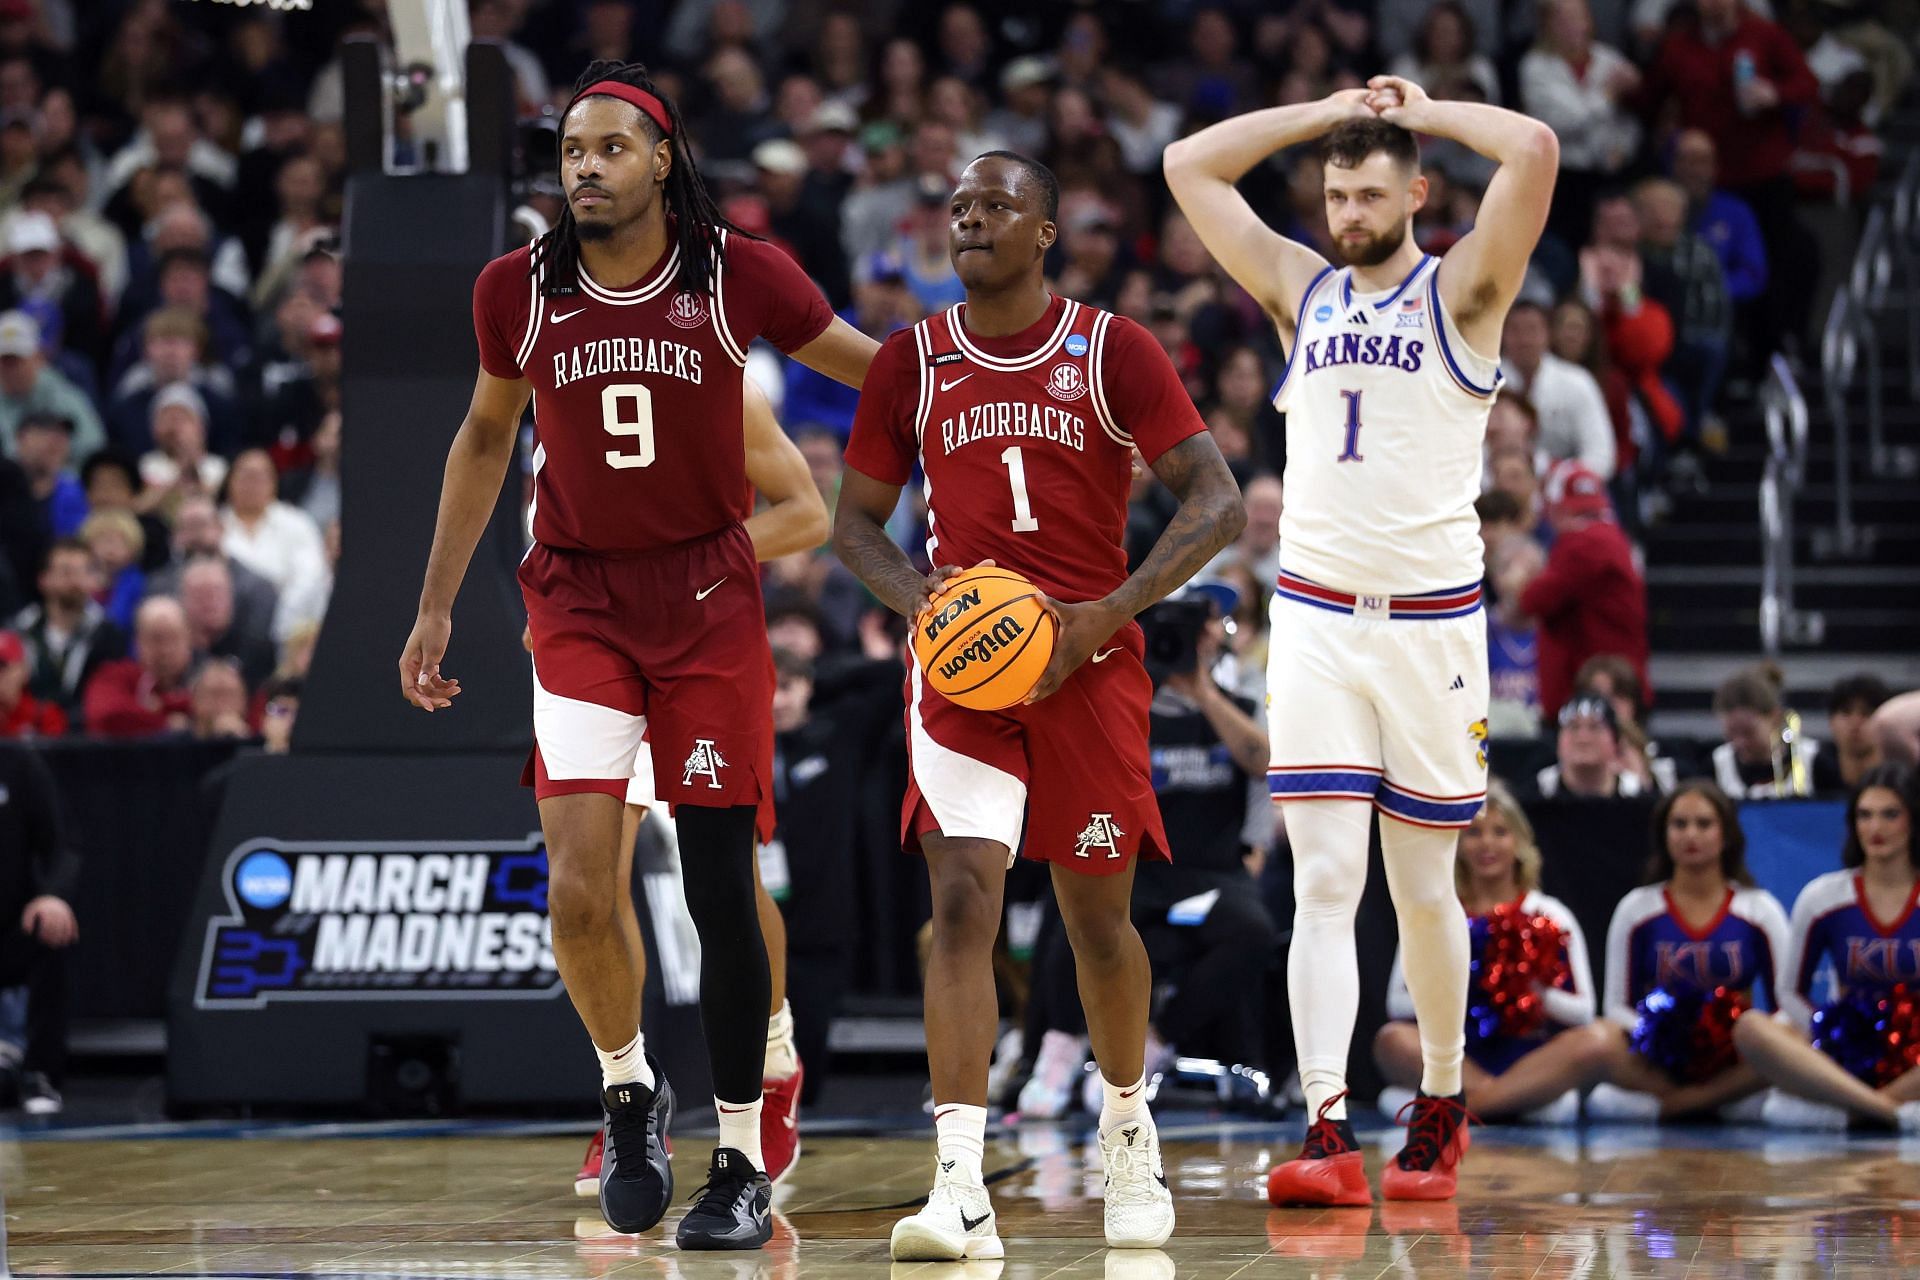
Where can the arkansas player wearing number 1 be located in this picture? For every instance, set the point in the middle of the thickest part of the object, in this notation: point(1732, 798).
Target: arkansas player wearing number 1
point(1023, 410)
point(628, 324)
point(1377, 674)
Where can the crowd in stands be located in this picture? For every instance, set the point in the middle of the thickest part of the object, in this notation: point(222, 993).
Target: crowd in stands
point(171, 191)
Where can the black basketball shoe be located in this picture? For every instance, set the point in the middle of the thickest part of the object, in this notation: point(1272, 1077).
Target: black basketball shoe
point(733, 1211)
point(636, 1173)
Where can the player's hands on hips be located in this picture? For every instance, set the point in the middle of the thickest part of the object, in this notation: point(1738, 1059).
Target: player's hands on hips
point(50, 920)
point(1398, 100)
point(1081, 628)
point(936, 582)
point(420, 681)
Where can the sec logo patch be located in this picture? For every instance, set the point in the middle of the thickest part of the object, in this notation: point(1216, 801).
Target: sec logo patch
point(688, 310)
point(1066, 382)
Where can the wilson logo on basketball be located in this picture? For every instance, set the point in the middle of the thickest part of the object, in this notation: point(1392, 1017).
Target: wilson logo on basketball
point(688, 310)
point(982, 647)
point(1066, 382)
point(948, 614)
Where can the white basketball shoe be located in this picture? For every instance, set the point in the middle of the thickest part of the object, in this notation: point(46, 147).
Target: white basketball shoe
point(957, 1222)
point(1139, 1205)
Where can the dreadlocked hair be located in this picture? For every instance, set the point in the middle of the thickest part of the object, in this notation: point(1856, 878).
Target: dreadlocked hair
point(696, 219)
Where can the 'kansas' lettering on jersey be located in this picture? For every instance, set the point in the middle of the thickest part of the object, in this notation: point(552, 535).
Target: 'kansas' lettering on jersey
point(1386, 411)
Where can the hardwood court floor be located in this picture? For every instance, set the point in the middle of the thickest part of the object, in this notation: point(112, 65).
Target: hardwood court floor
point(495, 1201)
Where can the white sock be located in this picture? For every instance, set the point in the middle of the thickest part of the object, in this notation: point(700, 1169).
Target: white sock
point(740, 1129)
point(1122, 1103)
point(1435, 946)
point(961, 1134)
point(782, 1060)
point(625, 1065)
point(1329, 839)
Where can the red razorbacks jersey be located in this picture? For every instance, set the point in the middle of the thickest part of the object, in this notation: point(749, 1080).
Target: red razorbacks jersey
point(637, 390)
point(1026, 442)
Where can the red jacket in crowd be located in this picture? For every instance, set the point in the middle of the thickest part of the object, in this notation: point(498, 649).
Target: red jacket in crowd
point(122, 701)
point(1589, 600)
point(32, 718)
point(1699, 77)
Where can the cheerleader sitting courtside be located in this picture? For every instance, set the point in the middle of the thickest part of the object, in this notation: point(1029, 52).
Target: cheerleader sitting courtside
point(1686, 953)
point(1530, 1046)
point(1857, 1057)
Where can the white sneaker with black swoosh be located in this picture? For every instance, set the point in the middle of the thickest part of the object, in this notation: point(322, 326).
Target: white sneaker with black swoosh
point(1139, 1207)
point(957, 1222)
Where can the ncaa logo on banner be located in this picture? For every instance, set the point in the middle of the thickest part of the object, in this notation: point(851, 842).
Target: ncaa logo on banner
point(688, 310)
point(1066, 382)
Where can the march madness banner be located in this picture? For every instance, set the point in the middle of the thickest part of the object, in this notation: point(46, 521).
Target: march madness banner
point(359, 920)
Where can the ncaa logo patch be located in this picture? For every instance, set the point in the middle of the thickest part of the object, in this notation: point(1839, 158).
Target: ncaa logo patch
point(687, 310)
point(1066, 382)
point(1323, 312)
point(1076, 344)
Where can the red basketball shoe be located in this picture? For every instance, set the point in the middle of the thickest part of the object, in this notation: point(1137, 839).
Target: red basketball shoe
point(1330, 1169)
point(587, 1181)
point(780, 1123)
point(1428, 1167)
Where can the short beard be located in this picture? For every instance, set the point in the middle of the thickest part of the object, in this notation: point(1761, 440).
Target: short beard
point(1374, 251)
point(594, 232)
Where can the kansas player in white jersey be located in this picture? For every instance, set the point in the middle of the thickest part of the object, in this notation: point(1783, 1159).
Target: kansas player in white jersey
point(1377, 677)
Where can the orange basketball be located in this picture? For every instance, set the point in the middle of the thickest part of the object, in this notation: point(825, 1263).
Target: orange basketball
point(987, 639)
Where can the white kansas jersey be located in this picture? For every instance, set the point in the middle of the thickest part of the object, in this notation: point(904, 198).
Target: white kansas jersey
point(1386, 417)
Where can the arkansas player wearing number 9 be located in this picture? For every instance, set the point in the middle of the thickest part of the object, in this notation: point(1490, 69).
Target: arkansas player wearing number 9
point(628, 325)
point(1023, 409)
point(1377, 673)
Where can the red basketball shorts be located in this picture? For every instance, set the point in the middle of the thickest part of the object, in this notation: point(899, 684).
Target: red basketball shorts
point(664, 652)
point(1071, 771)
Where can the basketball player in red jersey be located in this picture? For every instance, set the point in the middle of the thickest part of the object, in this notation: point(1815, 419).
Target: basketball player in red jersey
point(1024, 409)
point(630, 320)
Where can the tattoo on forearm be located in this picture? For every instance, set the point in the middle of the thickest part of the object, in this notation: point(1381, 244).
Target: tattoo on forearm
point(1211, 515)
point(877, 560)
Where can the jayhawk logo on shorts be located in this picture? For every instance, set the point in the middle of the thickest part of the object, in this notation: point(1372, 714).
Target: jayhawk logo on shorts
point(1100, 833)
point(705, 762)
point(1477, 734)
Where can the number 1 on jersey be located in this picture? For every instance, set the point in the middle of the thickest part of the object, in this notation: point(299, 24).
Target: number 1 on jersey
point(1352, 452)
point(1023, 521)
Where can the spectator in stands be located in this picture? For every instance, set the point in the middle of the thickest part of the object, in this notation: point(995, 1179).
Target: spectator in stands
point(306, 395)
point(1740, 78)
point(1684, 276)
point(315, 489)
point(1511, 471)
point(1572, 413)
point(276, 540)
point(1588, 762)
point(1638, 327)
point(1577, 339)
point(802, 217)
point(794, 624)
point(1590, 597)
point(304, 604)
point(280, 707)
point(67, 635)
point(1699, 903)
point(207, 596)
point(1612, 677)
point(1840, 920)
point(922, 250)
point(178, 465)
point(118, 545)
point(1719, 217)
point(1445, 58)
point(36, 270)
point(112, 482)
point(147, 694)
point(1211, 80)
point(21, 714)
point(1767, 754)
point(882, 194)
point(1513, 640)
point(1513, 424)
point(60, 191)
point(881, 304)
point(28, 386)
point(1583, 89)
point(173, 352)
point(169, 139)
point(1850, 709)
point(40, 872)
point(198, 534)
point(219, 702)
point(1534, 1073)
point(1258, 546)
point(43, 446)
point(1142, 124)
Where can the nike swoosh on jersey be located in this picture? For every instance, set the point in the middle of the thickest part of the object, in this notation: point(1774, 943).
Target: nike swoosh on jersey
point(557, 318)
point(1103, 656)
point(702, 595)
point(948, 386)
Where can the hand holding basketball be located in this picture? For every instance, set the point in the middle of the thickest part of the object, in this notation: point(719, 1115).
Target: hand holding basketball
point(1083, 628)
point(936, 582)
point(420, 681)
point(985, 638)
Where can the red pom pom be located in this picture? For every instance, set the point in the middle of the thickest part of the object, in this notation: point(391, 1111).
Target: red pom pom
point(1523, 954)
point(1901, 1009)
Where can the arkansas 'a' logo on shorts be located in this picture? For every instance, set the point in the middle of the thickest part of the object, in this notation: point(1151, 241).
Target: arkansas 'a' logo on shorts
point(1477, 734)
point(705, 762)
point(1100, 833)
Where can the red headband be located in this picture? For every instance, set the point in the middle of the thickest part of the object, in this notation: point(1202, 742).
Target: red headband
point(656, 110)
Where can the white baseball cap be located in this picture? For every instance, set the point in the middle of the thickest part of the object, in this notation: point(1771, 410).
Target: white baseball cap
point(19, 335)
point(32, 231)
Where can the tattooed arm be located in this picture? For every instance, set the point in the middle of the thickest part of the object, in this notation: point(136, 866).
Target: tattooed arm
point(861, 541)
point(1211, 515)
